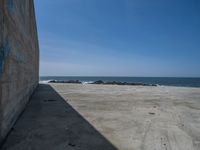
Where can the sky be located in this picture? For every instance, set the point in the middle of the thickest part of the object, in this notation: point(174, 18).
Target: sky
point(148, 38)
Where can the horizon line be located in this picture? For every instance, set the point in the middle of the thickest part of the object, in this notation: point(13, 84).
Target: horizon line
point(119, 76)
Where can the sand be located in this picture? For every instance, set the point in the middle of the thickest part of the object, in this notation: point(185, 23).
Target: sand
point(109, 117)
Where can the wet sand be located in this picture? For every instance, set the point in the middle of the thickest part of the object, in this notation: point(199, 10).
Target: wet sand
point(88, 117)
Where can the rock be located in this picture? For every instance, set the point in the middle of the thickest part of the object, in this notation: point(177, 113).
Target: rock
point(98, 82)
point(52, 81)
point(74, 81)
point(63, 81)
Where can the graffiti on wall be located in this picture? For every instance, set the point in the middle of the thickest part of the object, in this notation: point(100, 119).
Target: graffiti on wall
point(10, 5)
point(20, 57)
point(4, 53)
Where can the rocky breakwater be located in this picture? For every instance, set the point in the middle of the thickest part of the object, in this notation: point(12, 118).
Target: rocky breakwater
point(64, 81)
point(122, 83)
point(103, 83)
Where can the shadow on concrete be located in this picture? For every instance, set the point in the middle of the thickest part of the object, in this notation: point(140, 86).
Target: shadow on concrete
point(50, 123)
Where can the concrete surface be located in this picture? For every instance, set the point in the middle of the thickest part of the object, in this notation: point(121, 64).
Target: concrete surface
point(19, 59)
point(109, 117)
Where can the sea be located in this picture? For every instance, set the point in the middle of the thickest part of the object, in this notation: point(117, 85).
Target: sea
point(161, 81)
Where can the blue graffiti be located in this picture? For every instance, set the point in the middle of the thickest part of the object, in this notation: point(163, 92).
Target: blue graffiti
point(4, 53)
point(20, 57)
point(10, 5)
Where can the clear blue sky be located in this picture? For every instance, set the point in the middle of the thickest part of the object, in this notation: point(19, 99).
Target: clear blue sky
point(119, 37)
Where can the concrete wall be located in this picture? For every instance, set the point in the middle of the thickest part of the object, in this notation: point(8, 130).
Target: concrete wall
point(19, 60)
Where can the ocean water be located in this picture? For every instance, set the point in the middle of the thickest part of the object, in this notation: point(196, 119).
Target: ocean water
point(165, 81)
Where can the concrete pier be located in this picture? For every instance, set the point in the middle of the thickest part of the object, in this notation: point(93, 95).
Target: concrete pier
point(108, 117)
point(19, 60)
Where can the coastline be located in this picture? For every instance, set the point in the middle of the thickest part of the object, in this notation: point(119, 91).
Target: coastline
point(109, 83)
point(100, 82)
point(155, 81)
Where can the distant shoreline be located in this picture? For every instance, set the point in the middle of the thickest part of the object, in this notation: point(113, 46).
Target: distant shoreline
point(161, 81)
point(101, 82)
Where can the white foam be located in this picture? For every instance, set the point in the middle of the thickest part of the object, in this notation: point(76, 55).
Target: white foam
point(44, 81)
point(87, 82)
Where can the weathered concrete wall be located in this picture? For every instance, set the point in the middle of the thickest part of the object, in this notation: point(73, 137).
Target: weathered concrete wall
point(19, 59)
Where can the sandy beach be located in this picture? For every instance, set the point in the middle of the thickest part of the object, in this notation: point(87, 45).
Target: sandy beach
point(88, 117)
